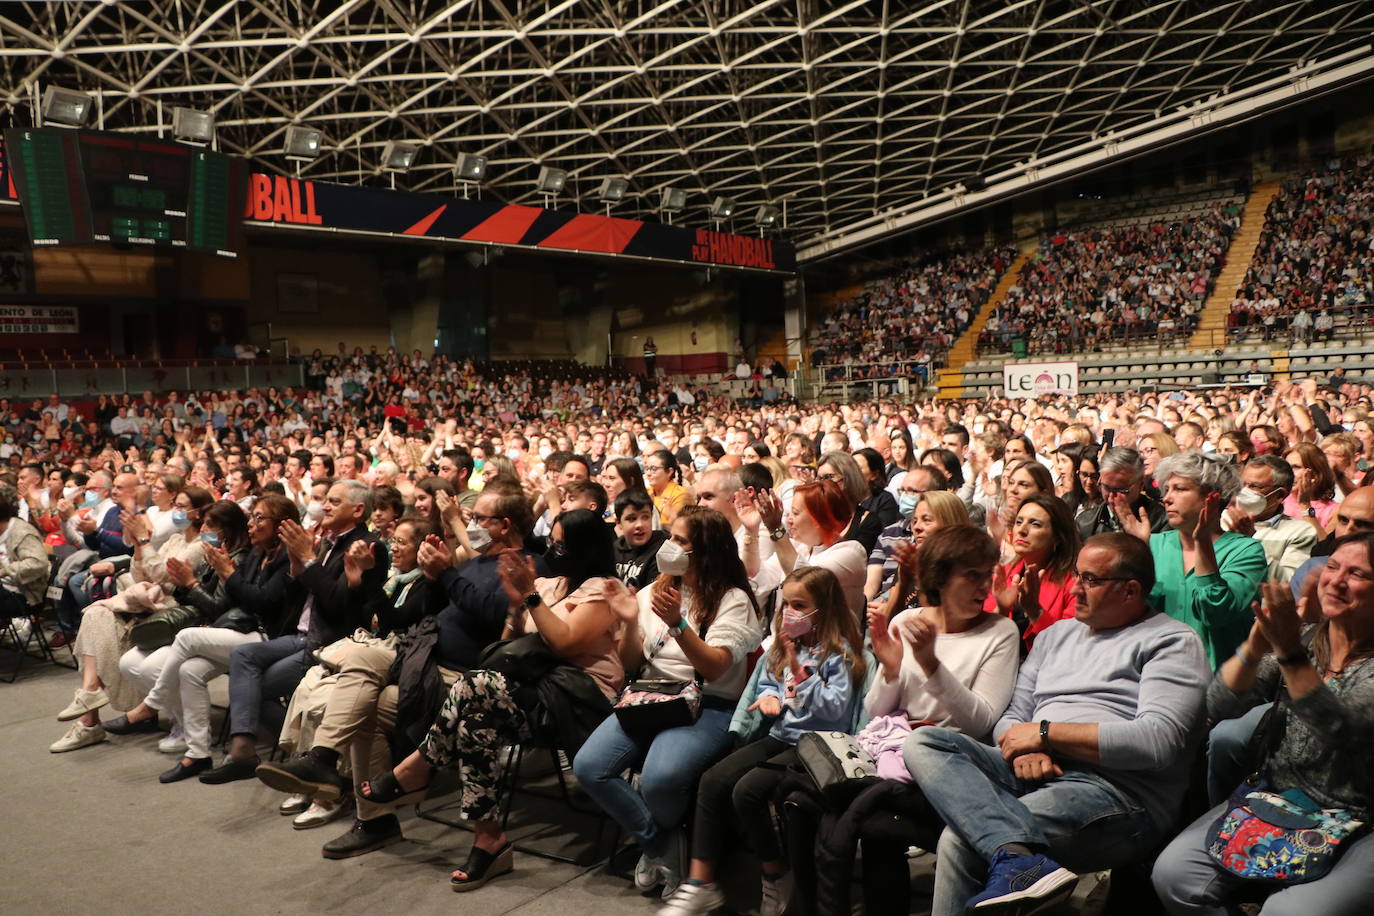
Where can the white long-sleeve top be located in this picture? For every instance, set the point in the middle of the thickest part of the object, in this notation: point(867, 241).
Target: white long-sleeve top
point(970, 689)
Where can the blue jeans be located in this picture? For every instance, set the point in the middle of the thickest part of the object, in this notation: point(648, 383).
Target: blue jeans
point(1189, 883)
point(270, 669)
point(671, 763)
point(74, 599)
point(1226, 746)
point(1079, 819)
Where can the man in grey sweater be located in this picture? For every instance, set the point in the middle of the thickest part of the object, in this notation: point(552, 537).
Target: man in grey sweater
point(1093, 752)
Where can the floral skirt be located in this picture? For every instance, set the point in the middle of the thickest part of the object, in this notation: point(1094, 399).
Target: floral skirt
point(479, 717)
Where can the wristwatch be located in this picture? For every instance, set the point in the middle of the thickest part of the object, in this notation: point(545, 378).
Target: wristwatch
point(532, 601)
point(1045, 735)
point(777, 534)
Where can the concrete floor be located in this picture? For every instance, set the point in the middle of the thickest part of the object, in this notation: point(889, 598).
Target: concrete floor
point(93, 831)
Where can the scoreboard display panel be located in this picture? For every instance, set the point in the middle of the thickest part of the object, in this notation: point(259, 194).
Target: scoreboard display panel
point(89, 187)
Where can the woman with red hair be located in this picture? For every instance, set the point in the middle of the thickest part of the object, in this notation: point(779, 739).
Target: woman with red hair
point(815, 525)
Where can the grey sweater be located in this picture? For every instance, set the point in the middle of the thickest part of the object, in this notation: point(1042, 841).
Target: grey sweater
point(1328, 742)
point(1144, 685)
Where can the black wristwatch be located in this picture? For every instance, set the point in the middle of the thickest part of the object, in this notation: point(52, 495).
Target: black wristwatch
point(777, 534)
point(1045, 735)
point(532, 601)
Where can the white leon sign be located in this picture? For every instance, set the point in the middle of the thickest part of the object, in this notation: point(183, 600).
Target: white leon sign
point(39, 319)
point(1020, 380)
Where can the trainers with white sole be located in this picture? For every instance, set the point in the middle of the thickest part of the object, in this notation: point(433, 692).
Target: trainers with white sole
point(648, 873)
point(776, 893)
point(692, 899)
point(78, 736)
point(317, 815)
point(85, 701)
point(174, 742)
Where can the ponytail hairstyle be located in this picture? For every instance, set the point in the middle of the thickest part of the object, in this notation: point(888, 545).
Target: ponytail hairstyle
point(834, 627)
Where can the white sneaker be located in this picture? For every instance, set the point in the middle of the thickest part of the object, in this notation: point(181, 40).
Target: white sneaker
point(78, 736)
point(294, 804)
point(84, 702)
point(693, 900)
point(775, 896)
point(648, 873)
point(317, 815)
point(174, 742)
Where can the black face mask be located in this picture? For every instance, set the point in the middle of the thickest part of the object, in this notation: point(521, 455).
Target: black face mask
point(558, 561)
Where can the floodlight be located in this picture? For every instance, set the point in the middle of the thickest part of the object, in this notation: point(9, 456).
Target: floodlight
point(612, 190)
point(673, 200)
point(551, 180)
point(63, 106)
point(397, 156)
point(470, 167)
point(194, 126)
point(766, 216)
point(303, 142)
point(722, 208)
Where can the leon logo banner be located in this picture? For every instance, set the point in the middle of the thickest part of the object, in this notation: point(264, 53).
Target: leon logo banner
point(1023, 380)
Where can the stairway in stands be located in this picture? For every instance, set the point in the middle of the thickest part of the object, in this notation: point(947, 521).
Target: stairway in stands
point(1211, 327)
point(950, 379)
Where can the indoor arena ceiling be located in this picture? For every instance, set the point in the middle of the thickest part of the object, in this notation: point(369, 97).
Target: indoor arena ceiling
point(833, 111)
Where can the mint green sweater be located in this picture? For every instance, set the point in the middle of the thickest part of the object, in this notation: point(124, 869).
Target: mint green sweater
point(1216, 606)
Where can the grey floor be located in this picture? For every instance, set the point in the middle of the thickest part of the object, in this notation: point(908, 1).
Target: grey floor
point(93, 831)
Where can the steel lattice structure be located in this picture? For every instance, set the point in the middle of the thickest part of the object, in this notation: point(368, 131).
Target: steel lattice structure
point(834, 110)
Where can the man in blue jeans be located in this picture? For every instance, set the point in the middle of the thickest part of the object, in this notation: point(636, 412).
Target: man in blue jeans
point(1093, 753)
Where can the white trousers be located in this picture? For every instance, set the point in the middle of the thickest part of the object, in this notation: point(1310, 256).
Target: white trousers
point(196, 657)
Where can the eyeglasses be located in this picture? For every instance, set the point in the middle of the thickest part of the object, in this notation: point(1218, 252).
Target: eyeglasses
point(910, 492)
point(833, 478)
point(1115, 491)
point(259, 517)
point(1088, 475)
point(1091, 581)
point(479, 517)
point(654, 467)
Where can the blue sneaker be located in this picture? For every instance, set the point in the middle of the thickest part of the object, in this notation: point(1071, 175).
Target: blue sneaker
point(1022, 884)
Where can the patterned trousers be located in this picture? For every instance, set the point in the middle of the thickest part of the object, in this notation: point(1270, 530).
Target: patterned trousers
point(476, 720)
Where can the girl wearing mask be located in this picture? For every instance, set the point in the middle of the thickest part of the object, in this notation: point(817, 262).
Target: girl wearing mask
point(578, 614)
point(106, 625)
point(809, 682)
point(697, 621)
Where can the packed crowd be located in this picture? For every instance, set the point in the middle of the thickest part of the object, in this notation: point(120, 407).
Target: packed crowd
point(1315, 259)
point(1051, 626)
point(902, 325)
point(1091, 287)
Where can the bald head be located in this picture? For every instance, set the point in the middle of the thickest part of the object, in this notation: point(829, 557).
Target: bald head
point(1355, 513)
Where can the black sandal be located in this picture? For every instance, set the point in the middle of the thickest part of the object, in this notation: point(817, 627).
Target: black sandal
point(386, 789)
point(482, 866)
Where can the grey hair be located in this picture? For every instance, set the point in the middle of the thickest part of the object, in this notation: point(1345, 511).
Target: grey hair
point(360, 494)
point(855, 484)
point(727, 479)
point(1282, 470)
point(1123, 458)
point(1212, 474)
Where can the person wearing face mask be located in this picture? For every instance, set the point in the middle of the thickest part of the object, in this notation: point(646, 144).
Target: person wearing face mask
point(175, 676)
point(1257, 510)
point(345, 705)
point(577, 616)
point(106, 625)
point(930, 507)
point(950, 662)
point(313, 510)
point(697, 621)
point(810, 680)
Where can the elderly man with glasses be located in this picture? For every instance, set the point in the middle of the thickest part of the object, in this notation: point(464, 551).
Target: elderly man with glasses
point(1093, 753)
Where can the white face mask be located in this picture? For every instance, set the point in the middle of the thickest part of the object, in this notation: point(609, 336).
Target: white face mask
point(1250, 501)
point(478, 536)
point(673, 559)
point(314, 511)
point(68, 492)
